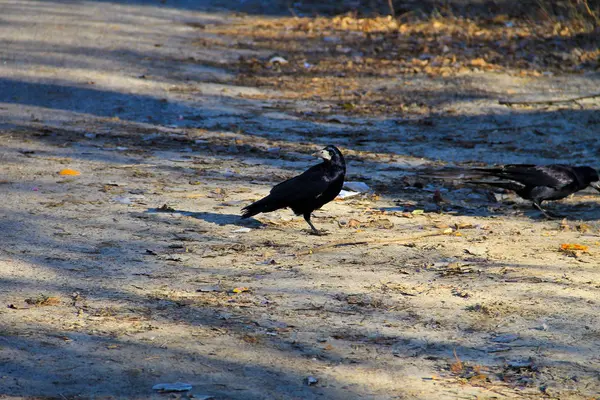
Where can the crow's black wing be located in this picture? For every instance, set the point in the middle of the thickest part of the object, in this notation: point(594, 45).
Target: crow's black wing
point(305, 187)
point(555, 176)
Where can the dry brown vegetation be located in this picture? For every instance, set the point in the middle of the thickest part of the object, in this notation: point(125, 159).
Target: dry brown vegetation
point(329, 59)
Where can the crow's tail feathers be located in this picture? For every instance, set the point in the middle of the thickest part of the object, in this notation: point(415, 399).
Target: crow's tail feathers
point(452, 174)
point(249, 211)
point(514, 186)
point(260, 206)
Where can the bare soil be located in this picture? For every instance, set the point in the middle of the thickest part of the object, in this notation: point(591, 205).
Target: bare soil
point(139, 271)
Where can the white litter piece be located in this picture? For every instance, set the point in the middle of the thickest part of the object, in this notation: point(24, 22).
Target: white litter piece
point(278, 60)
point(242, 230)
point(360, 187)
point(172, 387)
point(122, 200)
point(344, 194)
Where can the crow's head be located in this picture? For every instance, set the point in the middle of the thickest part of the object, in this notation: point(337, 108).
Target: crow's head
point(591, 177)
point(331, 154)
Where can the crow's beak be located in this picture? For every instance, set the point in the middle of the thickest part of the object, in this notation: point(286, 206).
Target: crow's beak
point(595, 185)
point(324, 154)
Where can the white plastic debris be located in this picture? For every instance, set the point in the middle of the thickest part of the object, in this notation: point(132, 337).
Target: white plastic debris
point(122, 200)
point(242, 230)
point(172, 387)
point(360, 187)
point(278, 60)
point(344, 194)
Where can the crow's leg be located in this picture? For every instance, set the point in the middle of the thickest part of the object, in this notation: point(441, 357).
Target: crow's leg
point(547, 214)
point(315, 231)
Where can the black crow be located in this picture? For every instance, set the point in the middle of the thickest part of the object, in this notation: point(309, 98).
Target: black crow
point(540, 182)
point(307, 192)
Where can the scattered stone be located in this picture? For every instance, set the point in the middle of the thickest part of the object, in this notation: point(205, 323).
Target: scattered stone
point(311, 381)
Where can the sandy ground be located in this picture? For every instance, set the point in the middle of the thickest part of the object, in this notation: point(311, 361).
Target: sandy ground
point(139, 271)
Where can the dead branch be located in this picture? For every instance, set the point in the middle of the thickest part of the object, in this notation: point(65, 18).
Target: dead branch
point(546, 102)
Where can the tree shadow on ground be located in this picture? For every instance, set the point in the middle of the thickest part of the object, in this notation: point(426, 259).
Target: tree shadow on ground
point(120, 320)
point(141, 326)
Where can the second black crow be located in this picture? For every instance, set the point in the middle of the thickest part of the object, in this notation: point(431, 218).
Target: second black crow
point(539, 183)
point(308, 191)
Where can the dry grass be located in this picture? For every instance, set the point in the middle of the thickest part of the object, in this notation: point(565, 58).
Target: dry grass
point(328, 59)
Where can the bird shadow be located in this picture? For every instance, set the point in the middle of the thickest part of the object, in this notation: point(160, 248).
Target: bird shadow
point(214, 218)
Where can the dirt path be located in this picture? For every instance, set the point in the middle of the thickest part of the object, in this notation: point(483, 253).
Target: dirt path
point(139, 271)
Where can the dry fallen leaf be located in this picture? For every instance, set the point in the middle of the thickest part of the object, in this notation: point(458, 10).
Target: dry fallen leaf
point(566, 247)
point(70, 172)
point(354, 223)
point(583, 228)
point(240, 289)
point(250, 339)
point(478, 62)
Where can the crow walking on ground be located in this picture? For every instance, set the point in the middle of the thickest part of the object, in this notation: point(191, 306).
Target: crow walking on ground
point(308, 191)
point(539, 182)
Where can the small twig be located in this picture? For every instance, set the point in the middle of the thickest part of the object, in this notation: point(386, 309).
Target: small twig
point(315, 308)
point(591, 13)
point(134, 165)
point(509, 128)
point(391, 6)
point(291, 10)
point(322, 308)
point(341, 243)
point(546, 102)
